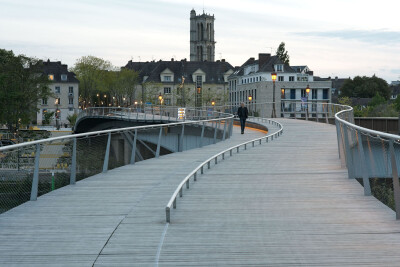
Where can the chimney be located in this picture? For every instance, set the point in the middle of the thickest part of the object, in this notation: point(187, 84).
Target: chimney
point(262, 59)
point(172, 59)
point(223, 60)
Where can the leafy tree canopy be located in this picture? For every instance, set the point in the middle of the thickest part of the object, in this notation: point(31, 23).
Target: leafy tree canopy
point(282, 53)
point(365, 87)
point(22, 85)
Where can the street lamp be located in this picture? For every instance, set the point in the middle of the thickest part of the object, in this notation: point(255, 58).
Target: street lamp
point(282, 103)
point(57, 114)
point(213, 103)
point(308, 93)
point(160, 97)
point(250, 98)
point(273, 76)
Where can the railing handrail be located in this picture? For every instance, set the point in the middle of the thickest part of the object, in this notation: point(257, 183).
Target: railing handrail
point(65, 137)
point(185, 180)
point(362, 129)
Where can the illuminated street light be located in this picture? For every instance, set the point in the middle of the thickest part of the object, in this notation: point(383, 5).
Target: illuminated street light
point(273, 76)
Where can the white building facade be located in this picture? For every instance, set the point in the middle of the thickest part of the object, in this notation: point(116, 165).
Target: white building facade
point(254, 78)
point(65, 90)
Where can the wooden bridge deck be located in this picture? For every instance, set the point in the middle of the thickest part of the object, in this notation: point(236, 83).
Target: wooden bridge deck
point(285, 203)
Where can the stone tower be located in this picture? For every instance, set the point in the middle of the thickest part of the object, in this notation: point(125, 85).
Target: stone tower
point(202, 44)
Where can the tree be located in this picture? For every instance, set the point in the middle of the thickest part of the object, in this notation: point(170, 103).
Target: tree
point(90, 71)
point(282, 53)
point(22, 85)
point(365, 87)
point(127, 83)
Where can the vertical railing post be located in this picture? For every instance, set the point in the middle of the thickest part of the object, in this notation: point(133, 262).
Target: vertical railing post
point(133, 153)
point(181, 138)
point(35, 180)
point(223, 136)
point(72, 178)
point(339, 136)
point(395, 175)
point(159, 143)
point(364, 167)
point(349, 160)
point(168, 214)
point(202, 134)
point(107, 156)
point(215, 132)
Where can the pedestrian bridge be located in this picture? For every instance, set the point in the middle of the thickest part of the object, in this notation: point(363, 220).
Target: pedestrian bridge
point(255, 199)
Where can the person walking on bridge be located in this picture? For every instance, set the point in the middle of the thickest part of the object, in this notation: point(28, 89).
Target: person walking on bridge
point(243, 114)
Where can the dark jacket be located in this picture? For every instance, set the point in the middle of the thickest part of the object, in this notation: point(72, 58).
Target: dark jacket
point(243, 113)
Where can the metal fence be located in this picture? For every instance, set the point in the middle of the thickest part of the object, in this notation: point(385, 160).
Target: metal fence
point(368, 154)
point(172, 203)
point(32, 169)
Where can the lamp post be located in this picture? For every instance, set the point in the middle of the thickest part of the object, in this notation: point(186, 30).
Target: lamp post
point(98, 100)
point(160, 97)
point(273, 76)
point(57, 114)
point(105, 100)
point(307, 92)
point(250, 98)
point(282, 103)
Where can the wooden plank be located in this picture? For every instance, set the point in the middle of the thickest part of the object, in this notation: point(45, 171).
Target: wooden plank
point(72, 225)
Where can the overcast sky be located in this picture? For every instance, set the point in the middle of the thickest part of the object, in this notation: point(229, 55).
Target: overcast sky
point(336, 38)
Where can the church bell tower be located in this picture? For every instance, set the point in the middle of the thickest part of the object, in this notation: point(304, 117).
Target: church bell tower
point(202, 43)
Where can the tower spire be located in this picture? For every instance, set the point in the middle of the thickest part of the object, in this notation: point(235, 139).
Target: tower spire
point(202, 43)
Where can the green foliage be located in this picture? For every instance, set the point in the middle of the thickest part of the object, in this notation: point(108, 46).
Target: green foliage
point(377, 100)
point(365, 87)
point(90, 73)
point(396, 104)
point(282, 53)
point(99, 76)
point(345, 100)
point(48, 116)
point(72, 118)
point(22, 85)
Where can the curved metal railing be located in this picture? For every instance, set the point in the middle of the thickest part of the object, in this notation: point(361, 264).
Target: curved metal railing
point(368, 153)
point(193, 174)
point(31, 169)
point(154, 113)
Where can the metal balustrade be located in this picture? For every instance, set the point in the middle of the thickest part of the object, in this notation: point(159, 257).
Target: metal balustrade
point(368, 154)
point(172, 203)
point(31, 169)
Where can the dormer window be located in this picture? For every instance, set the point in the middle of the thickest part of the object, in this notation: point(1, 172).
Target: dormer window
point(63, 77)
point(279, 67)
point(167, 78)
point(51, 77)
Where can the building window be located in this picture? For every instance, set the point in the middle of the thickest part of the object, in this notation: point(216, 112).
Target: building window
point(279, 67)
point(199, 81)
point(44, 101)
point(51, 77)
point(57, 90)
point(167, 78)
point(292, 93)
point(291, 78)
point(63, 77)
point(71, 109)
point(58, 101)
point(303, 93)
point(280, 78)
point(71, 90)
point(70, 101)
point(314, 94)
point(167, 90)
point(167, 101)
point(325, 94)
